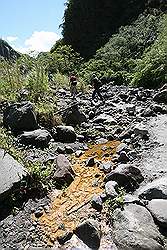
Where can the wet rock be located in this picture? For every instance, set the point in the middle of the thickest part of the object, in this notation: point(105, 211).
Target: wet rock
point(89, 232)
point(97, 203)
point(11, 174)
point(106, 119)
point(38, 138)
point(158, 209)
point(157, 189)
point(126, 176)
point(20, 117)
point(110, 187)
point(134, 228)
point(64, 173)
point(90, 162)
point(66, 134)
point(73, 116)
point(161, 97)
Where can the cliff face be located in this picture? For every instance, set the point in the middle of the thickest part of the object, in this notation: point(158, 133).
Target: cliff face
point(7, 52)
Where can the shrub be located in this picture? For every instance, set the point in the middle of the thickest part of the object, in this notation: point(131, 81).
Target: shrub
point(151, 69)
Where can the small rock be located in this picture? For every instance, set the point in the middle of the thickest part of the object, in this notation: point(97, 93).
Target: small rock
point(97, 203)
point(38, 213)
point(69, 150)
point(123, 157)
point(60, 150)
point(62, 239)
point(106, 167)
point(90, 162)
point(78, 153)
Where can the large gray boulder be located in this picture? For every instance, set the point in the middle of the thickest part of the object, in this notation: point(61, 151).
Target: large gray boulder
point(38, 138)
point(20, 117)
point(64, 173)
point(158, 209)
point(89, 232)
point(66, 134)
point(161, 97)
point(157, 189)
point(73, 116)
point(134, 228)
point(11, 174)
point(126, 176)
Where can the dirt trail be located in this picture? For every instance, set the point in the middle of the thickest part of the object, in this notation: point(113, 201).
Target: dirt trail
point(154, 161)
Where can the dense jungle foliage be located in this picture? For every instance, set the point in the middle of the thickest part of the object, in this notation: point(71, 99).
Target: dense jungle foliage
point(89, 24)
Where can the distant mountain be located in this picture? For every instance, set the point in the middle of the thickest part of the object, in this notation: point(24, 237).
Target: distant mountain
point(7, 52)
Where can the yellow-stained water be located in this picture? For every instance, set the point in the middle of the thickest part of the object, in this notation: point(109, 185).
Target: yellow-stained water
point(69, 207)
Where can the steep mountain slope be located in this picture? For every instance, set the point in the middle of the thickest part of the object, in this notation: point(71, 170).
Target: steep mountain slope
point(7, 52)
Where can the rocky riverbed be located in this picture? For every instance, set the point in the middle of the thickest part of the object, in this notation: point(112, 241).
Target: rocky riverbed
point(100, 149)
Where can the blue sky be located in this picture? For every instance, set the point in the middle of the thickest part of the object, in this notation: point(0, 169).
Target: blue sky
point(29, 25)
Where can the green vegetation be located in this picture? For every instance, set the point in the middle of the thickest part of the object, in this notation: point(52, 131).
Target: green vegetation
point(40, 174)
point(151, 69)
point(88, 25)
point(117, 202)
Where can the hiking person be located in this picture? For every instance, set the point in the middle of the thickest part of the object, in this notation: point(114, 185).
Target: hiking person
point(50, 76)
point(96, 83)
point(73, 84)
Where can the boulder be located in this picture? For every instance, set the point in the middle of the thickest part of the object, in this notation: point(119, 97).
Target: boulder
point(110, 187)
point(126, 176)
point(64, 173)
point(140, 129)
point(89, 232)
point(157, 189)
point(20, 117)
point(158, 209)
point(161, 97)
point(122, 147)
point(66, 134)
point(106, 119)
point(134, 228)
point(38, 138)
point(11, 174)
point(73, 116)
point(123, 157)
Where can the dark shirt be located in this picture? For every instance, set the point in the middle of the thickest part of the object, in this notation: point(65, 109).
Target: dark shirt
point(73, 80)
point(96, 83)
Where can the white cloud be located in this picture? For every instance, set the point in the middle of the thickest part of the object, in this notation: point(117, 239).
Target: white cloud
point(11, 38)
point(40, 41)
